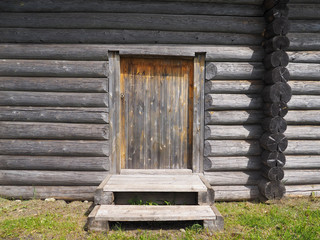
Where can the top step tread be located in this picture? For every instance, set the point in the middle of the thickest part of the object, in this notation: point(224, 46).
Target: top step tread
point(153, 213)
point(154, 183)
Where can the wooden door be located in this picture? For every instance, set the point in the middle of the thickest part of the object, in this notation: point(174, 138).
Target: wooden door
point(156, 113)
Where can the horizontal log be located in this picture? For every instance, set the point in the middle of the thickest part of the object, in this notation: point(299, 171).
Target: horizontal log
point(133, 21)
point(239, 163)
point(305, 87)
point(234, 86)
point(70, 193)
point(53, 99)
point(301, 71)
point(272, 173)
point(177, 7)
point(272, 189)
point(303, 132)
point(47, 114)
point(229, 132)
point(100, 51)
point(268, 4)
point(274, 124)
point(255, 116)
point(278, 92)
point(279, 26)
point(304, 41)
point(275, 109)
point(303, 147)
point(231, 148)
point(273, 159)
point(304, 56)
point(302, 162)
point(232, 102)
point(230, 70)
point(304, 11)
point(9, 162)
point(305, 26)
point(64, 131)
point(50, 84)
point(51, 178)
point(236, 193)
point(274, 142)
point(306, 102)
point(54, 148)
point(293, 177)
point(225, 132)
point(29, 35)
point(233, 178)
point(277, 58)
point(303, 190)
point(276, 43)
point(276, 12)
point(53, 68)
point(303, 117)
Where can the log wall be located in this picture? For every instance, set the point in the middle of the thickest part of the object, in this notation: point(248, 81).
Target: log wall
point(54, 89)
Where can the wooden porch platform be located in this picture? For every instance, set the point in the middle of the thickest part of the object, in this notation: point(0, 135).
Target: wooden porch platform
point(150, 185)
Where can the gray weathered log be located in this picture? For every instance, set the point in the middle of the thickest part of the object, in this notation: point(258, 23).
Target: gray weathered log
point(98, 52)
point(305, 26)
point(304, 71)
point(50, 84)
point(54, 148)
point(121, 36)
point(53, 99)
point(236, 193)
point(272, 173)
point(302, 162)
point(255, 117)
point(304, 56)
point(275, 109)
point(278, 74)
point(292, 177)
point(303, 117)
point(11, 162)
point(132, 21)
point(271, 190)
point(70, 193)
point(303, 190)
point(303, 132)
point(231, 148)
point(232, 101)
point(268, 4)
point(64, 131)
point(53, 178)
point(223, 132)
point(168, 7)
point(277, 58)
point(52, 114)
point(276, 43)
point(231, 70)
point(304, 11)
point(234, 117)
point(275, 12)
point(240, 163)
point(279, 26)
point(233, 177)
point(305, 87)
point(273, 159)
point(304, 41)
point(234, 86)
point(274, 142)
point(274, 124)
point(305, 102)
point(278, 92)
point(303, 147)
point(53, 68)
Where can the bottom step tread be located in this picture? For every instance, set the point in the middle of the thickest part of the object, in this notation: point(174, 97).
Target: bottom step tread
point(152, 213)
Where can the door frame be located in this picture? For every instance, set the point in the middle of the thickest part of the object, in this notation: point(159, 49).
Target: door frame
point(115, 114)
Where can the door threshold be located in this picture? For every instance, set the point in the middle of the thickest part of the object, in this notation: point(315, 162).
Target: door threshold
point(155, 171)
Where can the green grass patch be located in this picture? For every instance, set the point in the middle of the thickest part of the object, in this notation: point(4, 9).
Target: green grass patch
point(286, 219)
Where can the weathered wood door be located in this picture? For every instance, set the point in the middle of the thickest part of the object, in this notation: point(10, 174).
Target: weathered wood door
point(156, 112)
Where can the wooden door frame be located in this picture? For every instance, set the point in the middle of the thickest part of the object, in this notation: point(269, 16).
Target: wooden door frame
point(114, 112)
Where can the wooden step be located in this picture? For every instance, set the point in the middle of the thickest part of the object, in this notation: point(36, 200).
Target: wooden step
point(101, 215)
point(154, 183)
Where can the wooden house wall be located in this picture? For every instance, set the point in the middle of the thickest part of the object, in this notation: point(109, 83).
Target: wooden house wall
point(54, 89)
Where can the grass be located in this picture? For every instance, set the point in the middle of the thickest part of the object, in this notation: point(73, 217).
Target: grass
point(286, 219)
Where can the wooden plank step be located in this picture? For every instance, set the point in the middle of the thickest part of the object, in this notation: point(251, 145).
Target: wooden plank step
point(154, 183)
point(153, 213)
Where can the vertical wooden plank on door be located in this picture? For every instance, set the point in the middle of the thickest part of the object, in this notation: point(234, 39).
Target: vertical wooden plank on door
point(198, 113)
point(114, 110)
